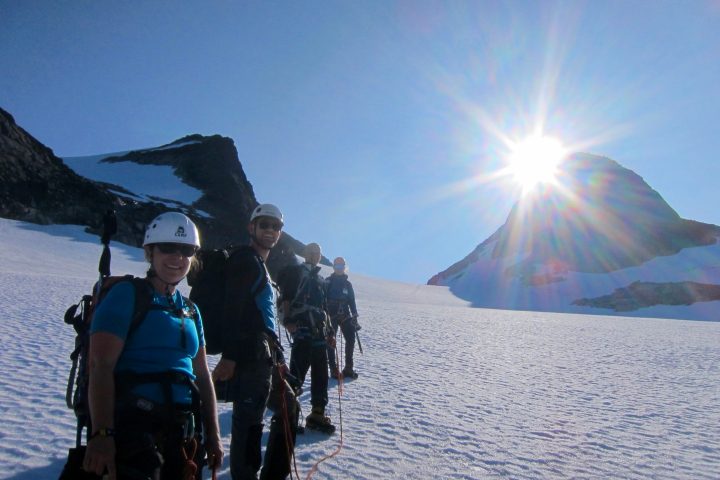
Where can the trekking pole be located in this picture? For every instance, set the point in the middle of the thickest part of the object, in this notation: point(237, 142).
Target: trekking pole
point(357, 337)
point(109, 229)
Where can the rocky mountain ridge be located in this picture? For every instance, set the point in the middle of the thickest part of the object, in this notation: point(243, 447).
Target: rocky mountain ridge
point(39, 187)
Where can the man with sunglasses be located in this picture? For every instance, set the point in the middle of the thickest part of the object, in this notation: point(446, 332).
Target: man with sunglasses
point(252, 363)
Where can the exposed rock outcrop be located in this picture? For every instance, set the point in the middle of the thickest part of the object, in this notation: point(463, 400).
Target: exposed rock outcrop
point(647, 294)
point(39, 187)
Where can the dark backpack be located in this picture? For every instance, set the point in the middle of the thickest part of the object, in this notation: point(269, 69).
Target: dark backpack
point(311, 288)
point(208, 293)
point(80, 317)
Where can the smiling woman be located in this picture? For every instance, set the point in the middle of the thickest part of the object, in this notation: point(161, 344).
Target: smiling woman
point(535, 160)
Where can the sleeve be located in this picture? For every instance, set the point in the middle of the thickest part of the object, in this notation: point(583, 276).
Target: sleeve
point(240, 277)
point(351, 299)
point(114, 313)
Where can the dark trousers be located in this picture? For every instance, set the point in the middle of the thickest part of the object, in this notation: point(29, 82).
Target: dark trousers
point(347, 326)
point(311, 354)
point(283, 430)
point(255, 387)
point(150, 446)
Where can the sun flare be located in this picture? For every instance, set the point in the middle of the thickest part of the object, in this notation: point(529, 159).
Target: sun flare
point(535, 160)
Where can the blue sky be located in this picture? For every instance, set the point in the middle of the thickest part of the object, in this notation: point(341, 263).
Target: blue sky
point(376, 125)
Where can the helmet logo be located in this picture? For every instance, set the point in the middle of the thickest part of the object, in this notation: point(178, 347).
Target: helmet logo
point(180, 232)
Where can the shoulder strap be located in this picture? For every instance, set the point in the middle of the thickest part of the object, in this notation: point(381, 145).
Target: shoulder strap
point(143, 299)
point(262, 279)
point(302, 284)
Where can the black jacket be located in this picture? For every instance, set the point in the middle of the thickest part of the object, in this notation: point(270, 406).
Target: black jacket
point(246, 279)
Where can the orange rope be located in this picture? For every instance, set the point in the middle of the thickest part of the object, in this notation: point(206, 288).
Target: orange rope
point(190, 468)
point(286, 423)
point(314, 468)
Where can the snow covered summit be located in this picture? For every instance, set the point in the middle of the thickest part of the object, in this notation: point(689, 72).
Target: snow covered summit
point(599, 241)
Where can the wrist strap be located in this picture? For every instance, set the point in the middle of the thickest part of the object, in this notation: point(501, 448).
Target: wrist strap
point(103, 432)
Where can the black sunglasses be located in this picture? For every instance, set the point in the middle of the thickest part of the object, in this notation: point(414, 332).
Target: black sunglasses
point(170, 248)
point(264, 224)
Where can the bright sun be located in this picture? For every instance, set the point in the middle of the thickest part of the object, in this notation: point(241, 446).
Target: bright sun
point(535, 160)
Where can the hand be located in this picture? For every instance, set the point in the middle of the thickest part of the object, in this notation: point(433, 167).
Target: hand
point(215, 453)
point(291, 327)
point(100, 454)
point(224, 370)
point(330, 341)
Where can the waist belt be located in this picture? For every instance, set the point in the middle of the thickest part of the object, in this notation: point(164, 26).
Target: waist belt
point(125, 381)
point(299, 309)
point(311, 319)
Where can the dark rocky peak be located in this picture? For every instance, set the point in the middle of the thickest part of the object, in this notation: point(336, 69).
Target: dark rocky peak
point(37, 187)
point(211, 165)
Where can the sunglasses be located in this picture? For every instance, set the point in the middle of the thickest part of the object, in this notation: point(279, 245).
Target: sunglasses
point(265, 225)
point(170, 248)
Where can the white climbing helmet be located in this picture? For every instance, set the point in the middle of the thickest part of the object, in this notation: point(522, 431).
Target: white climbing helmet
point(172, 227)
point(267, 210)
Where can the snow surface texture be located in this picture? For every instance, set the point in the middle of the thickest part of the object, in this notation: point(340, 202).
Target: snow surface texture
point(487, 284)
point(445, 392)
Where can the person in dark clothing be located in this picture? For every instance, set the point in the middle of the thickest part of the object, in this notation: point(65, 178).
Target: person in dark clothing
point(343, 314)
point(252, 362)
point(305, 317)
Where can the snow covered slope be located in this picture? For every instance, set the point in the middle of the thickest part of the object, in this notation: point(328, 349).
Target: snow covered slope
point(445, 392)
point(488, 284)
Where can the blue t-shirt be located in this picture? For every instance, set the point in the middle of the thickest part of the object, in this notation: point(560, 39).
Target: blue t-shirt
point(156, 345)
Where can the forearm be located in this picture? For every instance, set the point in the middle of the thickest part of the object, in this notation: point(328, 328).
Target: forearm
point(209, 406)
point(204, 383)
point(101, 396)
